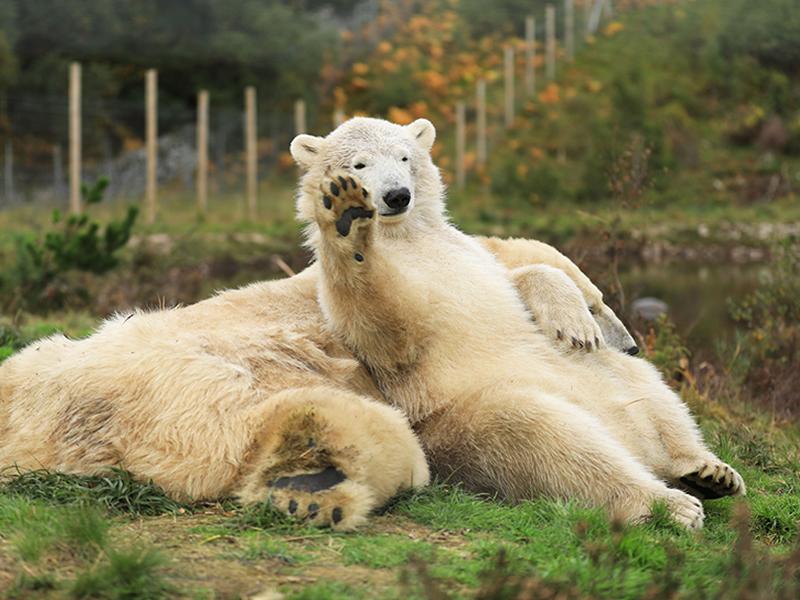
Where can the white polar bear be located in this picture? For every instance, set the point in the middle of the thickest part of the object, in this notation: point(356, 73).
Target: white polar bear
point(247, 394)
point(444, 334)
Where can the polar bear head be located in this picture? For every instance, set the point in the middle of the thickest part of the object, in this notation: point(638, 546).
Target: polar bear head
point(392, 161)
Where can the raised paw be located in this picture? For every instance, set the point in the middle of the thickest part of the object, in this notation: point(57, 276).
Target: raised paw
point(686, 510)
point(345, 203)
point(344, 505)
point(713, 479)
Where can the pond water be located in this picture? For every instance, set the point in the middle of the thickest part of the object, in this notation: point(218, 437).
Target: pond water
point(697, 296)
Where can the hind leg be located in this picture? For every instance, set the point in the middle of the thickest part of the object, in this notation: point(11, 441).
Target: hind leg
point(521, 444)
point(671, 439)
point(330, 457)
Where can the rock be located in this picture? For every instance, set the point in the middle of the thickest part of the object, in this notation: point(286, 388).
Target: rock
point(649, 309)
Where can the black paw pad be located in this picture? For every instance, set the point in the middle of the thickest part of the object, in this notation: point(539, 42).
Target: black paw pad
point(326, 200)
point(348, 216)
point(343, 182)
point(334, 189)
point(365, 192)
point(310, 482)
point(313, 510)
point(336, 515)
point(292, 506)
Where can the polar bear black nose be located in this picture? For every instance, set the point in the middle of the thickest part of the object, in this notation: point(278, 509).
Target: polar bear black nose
point(633, 350)
point(397, 199)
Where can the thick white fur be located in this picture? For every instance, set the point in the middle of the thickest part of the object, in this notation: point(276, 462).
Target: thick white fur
point(447, 339)
point(205, 400)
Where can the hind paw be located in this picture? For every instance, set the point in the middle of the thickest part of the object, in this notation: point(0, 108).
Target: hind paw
point(685, 509)
point(342, 506)
point(713, 479)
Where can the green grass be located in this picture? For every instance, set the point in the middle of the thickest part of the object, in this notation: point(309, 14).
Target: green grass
point(117, 492)
point(440, 542)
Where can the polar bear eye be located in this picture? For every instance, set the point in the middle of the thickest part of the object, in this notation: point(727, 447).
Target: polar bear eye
point(405, 159)
point(359, 165)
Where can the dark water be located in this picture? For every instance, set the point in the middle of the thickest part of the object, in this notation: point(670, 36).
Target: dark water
point(697, 297)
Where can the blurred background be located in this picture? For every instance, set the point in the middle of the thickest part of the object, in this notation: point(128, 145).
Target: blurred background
point(656, 142)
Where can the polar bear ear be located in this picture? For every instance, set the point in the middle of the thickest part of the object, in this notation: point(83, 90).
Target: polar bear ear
point(306, 150)
point(424, 132)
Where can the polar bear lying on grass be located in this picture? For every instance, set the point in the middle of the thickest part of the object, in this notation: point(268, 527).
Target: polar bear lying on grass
point(447, 339)
point(251, 394)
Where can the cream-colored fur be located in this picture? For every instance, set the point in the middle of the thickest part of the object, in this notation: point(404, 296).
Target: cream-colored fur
point(223, 397)
point(447, 339)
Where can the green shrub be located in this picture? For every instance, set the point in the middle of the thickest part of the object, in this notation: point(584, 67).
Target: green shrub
point(37, 281)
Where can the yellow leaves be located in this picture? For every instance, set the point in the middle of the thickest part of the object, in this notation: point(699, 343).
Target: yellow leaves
point(360, 69)
point(594, 86)
point(400, 116)
point(388, 66)
point(551, 94)
point(522, 170)
point(346, 36)
point(359, 83)
point(404, 116)
point(613, 28)
point(384, 47)
point(434, 82)
point(536, 153)
point(418, 109)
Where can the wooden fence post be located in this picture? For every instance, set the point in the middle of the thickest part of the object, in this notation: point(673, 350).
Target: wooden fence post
point(202, 151)
point(569, 29)
point(480, 97)
point(461, 142)
point(587, 18)
point(251, 150)
point(75, 138)
point(595, 16)
point(550, 31)
point(508, 62)
point(530, 56)
point(608, 9)
point(151, 92)
point(8, 172)
point(300, 117)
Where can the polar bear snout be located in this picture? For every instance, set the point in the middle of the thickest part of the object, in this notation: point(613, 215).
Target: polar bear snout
point(397, 201)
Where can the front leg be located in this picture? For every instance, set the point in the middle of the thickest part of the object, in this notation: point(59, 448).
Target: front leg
point(345, 215)
point(558, 307)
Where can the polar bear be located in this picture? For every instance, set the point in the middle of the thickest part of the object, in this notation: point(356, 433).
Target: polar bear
point(248, 394)
point(446, 338)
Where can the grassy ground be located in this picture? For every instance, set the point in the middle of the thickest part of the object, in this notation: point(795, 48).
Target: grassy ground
point(112, 538)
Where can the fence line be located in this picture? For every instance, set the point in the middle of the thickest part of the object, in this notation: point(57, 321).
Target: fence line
point(594, 12)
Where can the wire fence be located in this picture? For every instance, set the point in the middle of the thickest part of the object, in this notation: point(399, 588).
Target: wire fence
point(113, 140)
